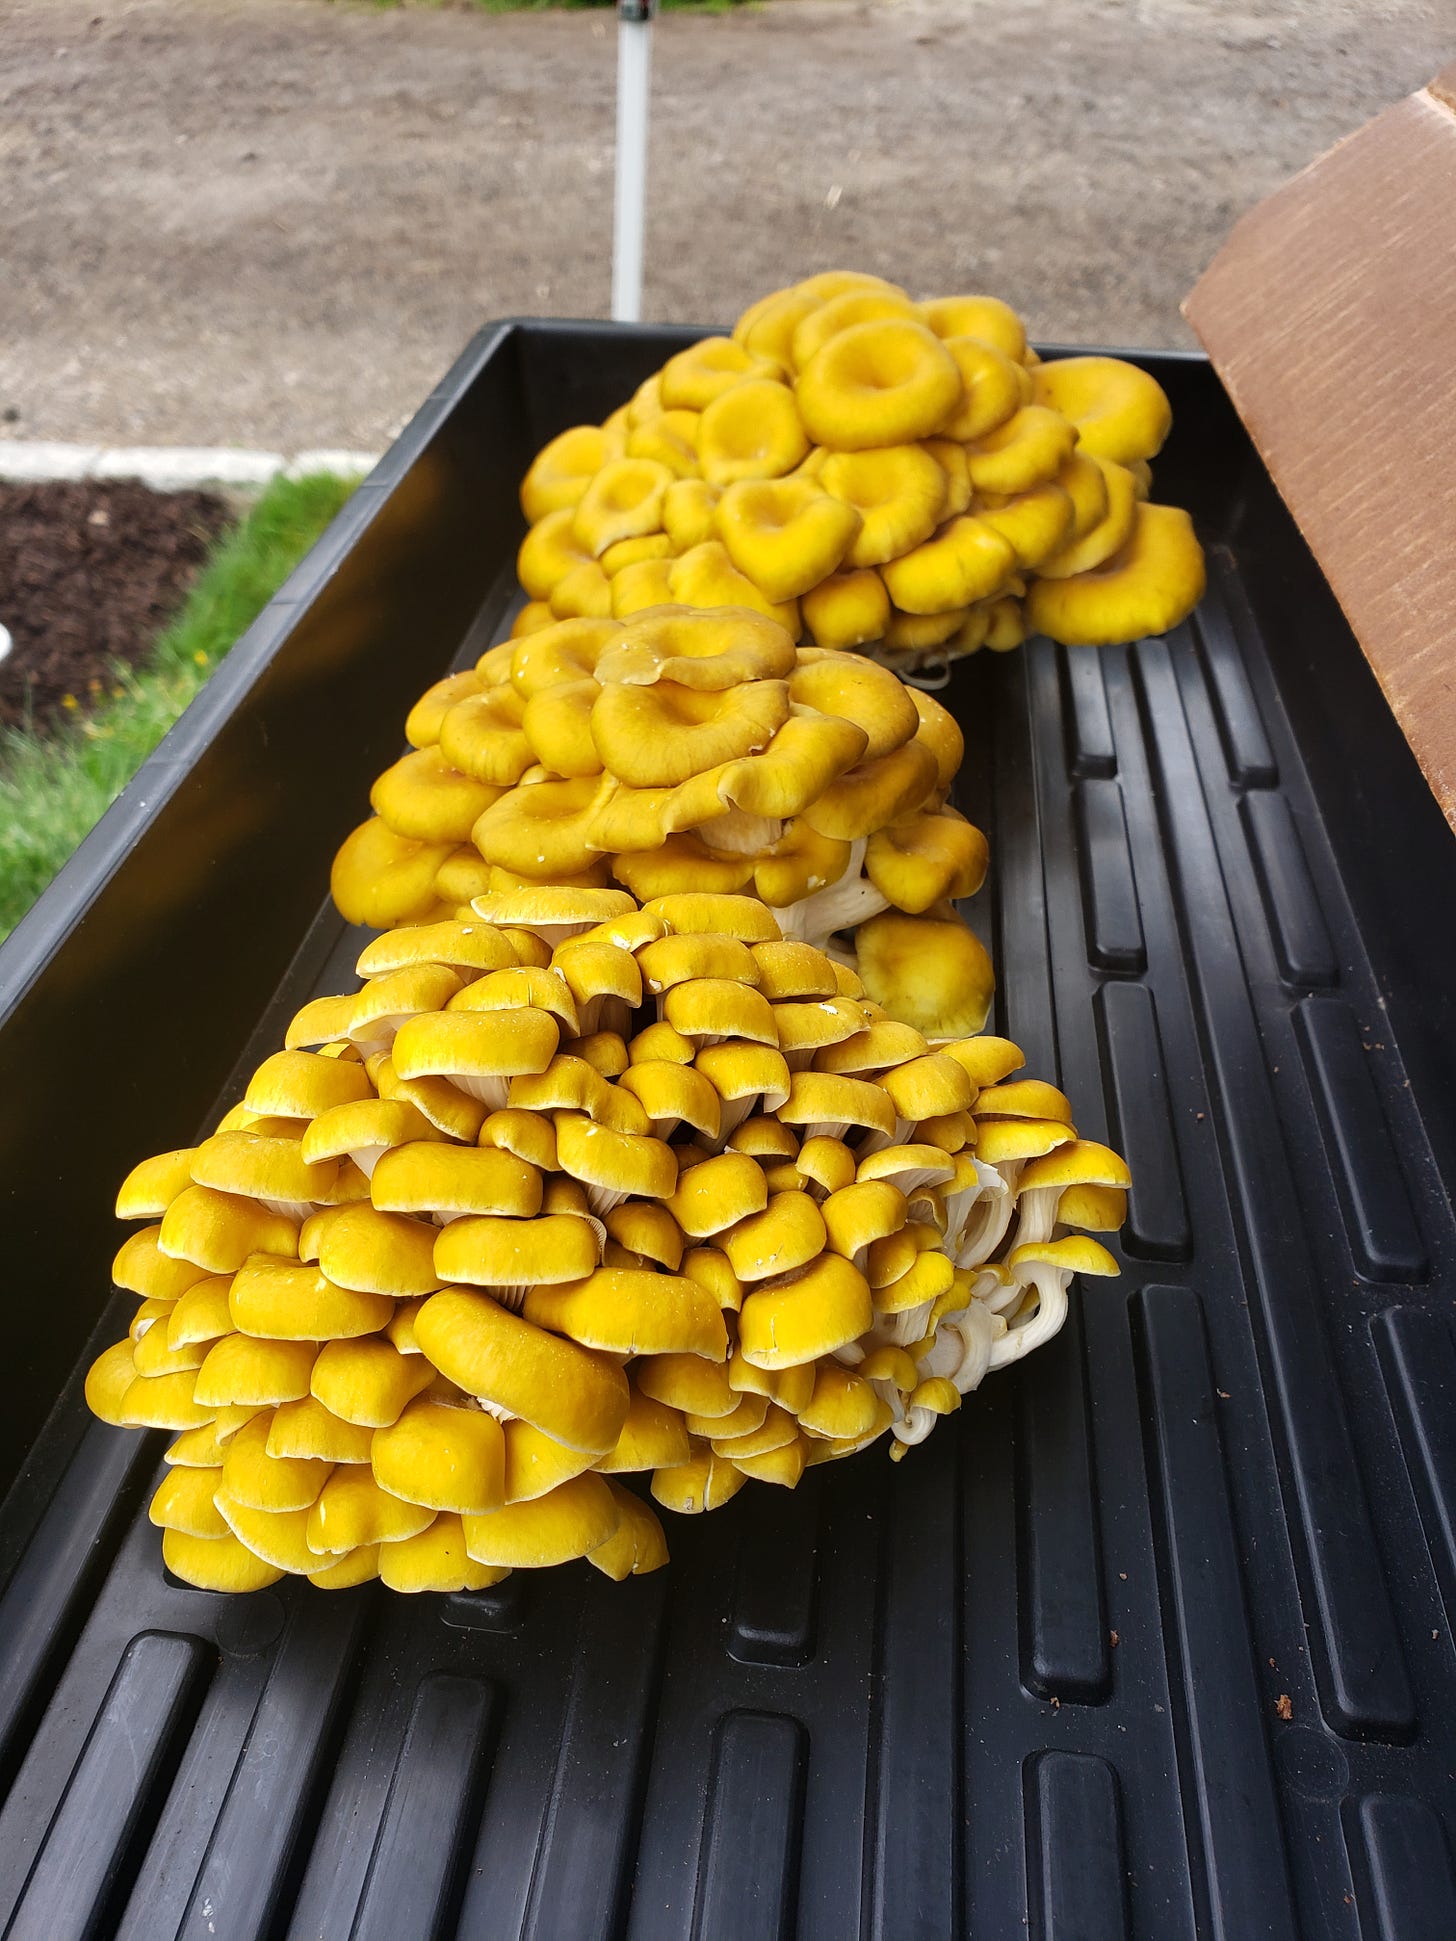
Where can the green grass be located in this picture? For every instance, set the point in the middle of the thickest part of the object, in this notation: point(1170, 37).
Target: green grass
point(54, 787)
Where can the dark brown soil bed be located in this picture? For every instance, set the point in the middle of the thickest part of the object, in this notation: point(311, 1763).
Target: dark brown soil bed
point(90, 572)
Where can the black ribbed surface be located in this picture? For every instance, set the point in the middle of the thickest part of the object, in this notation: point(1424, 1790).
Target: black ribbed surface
point(1033, 1678)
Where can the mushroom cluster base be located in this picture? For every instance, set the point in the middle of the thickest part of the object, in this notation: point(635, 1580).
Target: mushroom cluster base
point(576, 1189)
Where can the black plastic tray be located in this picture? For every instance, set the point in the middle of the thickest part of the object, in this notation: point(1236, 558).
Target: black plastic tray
point(1154, 1638)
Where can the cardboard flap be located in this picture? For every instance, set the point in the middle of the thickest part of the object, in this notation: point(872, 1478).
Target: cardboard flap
point(1330, 315)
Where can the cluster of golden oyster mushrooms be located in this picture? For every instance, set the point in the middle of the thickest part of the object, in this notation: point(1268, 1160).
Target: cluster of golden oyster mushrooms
point(571, 1189)
point(658, 1139)
point(691, 750)
point(907, 479)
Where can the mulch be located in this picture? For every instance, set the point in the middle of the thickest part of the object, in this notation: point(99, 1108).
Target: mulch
point(90, 572)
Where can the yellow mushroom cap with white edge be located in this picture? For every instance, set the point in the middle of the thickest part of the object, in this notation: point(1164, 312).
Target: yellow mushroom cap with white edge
point(567, 1522)
point(443, 1456)
point(436, 1559)
point(811, 1312)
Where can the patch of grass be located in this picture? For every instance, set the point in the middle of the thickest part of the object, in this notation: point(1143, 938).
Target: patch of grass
point(55, 787)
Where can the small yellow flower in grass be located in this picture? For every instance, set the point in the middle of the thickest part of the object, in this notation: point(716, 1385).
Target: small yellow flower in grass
point(200, 657)
point(69, 701)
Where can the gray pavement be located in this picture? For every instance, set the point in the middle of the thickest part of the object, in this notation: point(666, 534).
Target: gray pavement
point(273, 222)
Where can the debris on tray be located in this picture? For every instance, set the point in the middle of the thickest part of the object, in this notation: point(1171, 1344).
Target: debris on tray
point(906, 479)
point(691, 750)
point(578, 1187)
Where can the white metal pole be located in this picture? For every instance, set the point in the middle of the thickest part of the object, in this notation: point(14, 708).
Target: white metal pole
point(634, 75)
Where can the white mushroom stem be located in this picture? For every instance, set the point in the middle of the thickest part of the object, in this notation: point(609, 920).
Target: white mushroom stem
point(491, 1089)
point(604, 1013)
point(840, 905)
point(289, 1209)
point(737, 833)
point(1040, 1316)
point(987, 1227)
point(1036, 1216)
point(493, 1409)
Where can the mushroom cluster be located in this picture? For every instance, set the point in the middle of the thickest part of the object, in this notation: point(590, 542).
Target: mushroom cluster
point(573, 1189)
point(691, 750)
point(907, 479)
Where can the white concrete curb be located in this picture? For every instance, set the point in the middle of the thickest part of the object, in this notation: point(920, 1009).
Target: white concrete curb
point(168, 468)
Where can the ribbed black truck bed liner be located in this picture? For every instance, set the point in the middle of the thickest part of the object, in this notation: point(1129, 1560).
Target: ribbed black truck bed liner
point(1153, 1639)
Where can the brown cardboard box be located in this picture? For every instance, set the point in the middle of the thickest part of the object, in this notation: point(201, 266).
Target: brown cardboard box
point(1330, 314)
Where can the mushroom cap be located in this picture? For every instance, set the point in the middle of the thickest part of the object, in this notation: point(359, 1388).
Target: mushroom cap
point(705, 1482)
point(711, 1270)
point(216, 1563)
point(285, 1300)
point(572, 1395)
point(694, 377)
point(986, 1059)
point(443, 1457)
point(964, 560)
point(644, 584)
point(431, 1177)
point(783, 1466)
point(1106, 536)
point(271, 1170)
point(200, 1314)
point(826, 1163)
point(1151, 585)
point(183, 1501)
point(570, 1084)
point(820, 1307)
point(874, 793)
point(1102, 1209)
point(367, 1382)
point(536, 1463)
point(622, 501)
point(746, 1419)
point(988, 318)
point(142, 1267)
point(743, 917)
point(808, 1026)
point(899, 491)
point(562, 470)
point(671, 439)
point(854, 689)
point(846, 609)
point(1030, 448)
point(922, 859)
point(379, 878)
point(260, 1481)
point(660, 1042)
point(707, 651)
point(449, 1110)
point(529, 1136)
point(1074, 1253)
point(785, 534)
point(764, 1138)
point(908, 1166)
point(882, 382)
point(999, 1140)
point(424, 796)
point(875, 1049)
point(991, 388)
point(305, 1428)
point(929, 1275)
point(862, 304)
point(790, 969)
point(524, 986)
point(107, 1381)
point(1119, 411)
point(255, 1374)
point(940, 732)
point(565, 652)
point(1077, 1162)
point(1035, 524)
point(557, 726)
point(637, 1545)
point(483, 1250)
point(705, 576)
point(647, 1228)
point(567, 1522)
point(1025, 1098)
point(290, 1085)
point(925, 1087)
point(716, 1194)
point(688, 509)
point(843, 1404)
point(800, 863)
point(354, 1567)
point(614, 1162)
point(377, 1253)
point(539, 830)
point(785, 1236)
point(829, 1098)
point(714, 1008)
point(352, 1511)
point(661, 735)
point(687, 1383)
point(633, 1311)
point(552, 913)
point(466, 1047)
point(857, 1215)
point(928, 971)
point(675, 959)
point(434, 1560)
point(752, 431)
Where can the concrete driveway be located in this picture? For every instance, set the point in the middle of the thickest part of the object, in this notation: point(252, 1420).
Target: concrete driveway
point(273, 222)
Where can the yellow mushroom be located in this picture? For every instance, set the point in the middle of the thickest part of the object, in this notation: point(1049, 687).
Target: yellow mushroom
point(879, 383)
point(752, 431)
point(1150, 586)
point(1118, 410)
